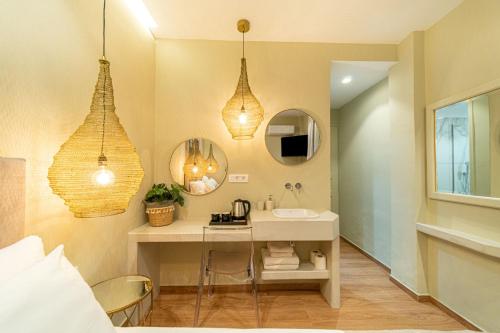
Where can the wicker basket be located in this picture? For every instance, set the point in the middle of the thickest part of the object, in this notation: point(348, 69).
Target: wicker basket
point(160, 216)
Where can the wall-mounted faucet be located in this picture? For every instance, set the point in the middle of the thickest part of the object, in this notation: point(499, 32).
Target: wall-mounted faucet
point(289, 186)
point(298, 186)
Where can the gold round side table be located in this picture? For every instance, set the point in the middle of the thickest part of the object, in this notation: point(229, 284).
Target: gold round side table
point(125, 295)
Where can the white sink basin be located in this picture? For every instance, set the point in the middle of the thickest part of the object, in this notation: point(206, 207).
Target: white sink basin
point(295, 213)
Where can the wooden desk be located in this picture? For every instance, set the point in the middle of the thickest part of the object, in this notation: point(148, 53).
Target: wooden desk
point(143, 259)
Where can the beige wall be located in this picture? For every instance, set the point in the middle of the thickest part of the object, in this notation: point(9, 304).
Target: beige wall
point(407, 103)
point(334, 160)
point(49, 53)
point(364, 171)
point(462, 52)
point(194, 79)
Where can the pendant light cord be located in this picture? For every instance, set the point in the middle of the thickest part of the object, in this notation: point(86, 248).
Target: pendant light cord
point(242, 95)
point(104, 30)
point(104, 84)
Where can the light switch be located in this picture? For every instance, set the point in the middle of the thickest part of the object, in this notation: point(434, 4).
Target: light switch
point(238, 178)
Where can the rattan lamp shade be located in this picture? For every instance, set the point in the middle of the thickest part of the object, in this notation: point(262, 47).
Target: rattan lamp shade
point(254, 112)
point(212, 164)
point(70, 175)
point(195, 166)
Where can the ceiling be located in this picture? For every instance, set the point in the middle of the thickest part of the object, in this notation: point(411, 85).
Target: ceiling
point(335, 21)
point(364, 75)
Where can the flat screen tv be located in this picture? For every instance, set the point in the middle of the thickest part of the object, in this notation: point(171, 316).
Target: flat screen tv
point(294, 146)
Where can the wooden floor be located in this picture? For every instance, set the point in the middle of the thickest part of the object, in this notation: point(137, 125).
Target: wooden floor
point(369, 301)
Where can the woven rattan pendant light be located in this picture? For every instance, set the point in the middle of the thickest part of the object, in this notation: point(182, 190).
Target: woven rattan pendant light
point(212, 164)
point(195, 165)
point(97, 170)
point(243, 112)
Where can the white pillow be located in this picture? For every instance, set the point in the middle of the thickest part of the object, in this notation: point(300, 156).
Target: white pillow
point(20, 256)
point(51, 296)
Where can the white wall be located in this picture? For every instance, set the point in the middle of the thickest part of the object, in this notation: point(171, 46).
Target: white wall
point(364, 172)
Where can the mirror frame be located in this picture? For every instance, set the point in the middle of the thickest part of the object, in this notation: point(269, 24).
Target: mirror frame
point(432, 192)
point(315, 153)
point(170, 166)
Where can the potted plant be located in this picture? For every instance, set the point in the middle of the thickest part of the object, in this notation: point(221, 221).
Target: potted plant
point(160, 204)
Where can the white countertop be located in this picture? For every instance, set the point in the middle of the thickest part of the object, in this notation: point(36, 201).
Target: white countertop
point(181, 231)
point(268, 216)
point(265, 227)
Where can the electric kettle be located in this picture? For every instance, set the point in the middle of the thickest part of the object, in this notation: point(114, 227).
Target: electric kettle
point(241, 209)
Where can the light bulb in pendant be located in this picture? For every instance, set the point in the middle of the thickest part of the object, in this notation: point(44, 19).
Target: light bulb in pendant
point(195, 169)
point(243, 117)
point(210, 168)
point(103, 176)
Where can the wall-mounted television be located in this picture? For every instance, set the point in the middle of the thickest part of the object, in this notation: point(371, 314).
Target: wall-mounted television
point(294, 146)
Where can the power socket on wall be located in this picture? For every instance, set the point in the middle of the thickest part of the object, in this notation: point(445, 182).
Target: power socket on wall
point(238, 178)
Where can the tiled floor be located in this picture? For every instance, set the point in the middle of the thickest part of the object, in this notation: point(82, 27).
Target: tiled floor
point(369, 301)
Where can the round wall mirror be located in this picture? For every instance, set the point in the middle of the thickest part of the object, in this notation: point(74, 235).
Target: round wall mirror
point(292, 137)
point(199, 166)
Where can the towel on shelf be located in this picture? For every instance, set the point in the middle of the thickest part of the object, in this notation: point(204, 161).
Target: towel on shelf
point(280, 247)
point(281, 267)
point(272, 261)
point(281, 254)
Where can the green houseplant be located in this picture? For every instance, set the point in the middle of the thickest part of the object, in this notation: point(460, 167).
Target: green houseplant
point(160, 203)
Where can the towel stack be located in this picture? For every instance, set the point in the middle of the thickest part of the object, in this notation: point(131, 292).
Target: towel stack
point(279, 256)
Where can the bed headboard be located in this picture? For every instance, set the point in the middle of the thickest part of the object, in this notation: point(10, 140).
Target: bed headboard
point(12, 200)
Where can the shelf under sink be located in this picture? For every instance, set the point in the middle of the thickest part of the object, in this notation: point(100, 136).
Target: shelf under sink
point(306, 271)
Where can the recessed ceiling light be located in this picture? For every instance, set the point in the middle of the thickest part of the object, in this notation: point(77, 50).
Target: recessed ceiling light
point(347, 79)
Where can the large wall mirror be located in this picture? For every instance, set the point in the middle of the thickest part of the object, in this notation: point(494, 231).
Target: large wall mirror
point(292, 137)
point(464, 164)
point(199, 166)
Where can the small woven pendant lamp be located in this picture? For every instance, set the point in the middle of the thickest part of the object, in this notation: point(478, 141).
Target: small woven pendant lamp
point(212, 164)
point(97, 170)
point(195, 166)
point(243, 112)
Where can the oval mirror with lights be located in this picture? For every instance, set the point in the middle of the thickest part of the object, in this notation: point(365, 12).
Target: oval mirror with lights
point(199, 166)
point(292, 137)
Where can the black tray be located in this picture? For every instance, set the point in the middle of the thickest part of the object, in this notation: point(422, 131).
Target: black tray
point(233, 222)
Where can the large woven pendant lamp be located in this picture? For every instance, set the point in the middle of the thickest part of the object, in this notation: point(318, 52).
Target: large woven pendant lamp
point(243, 112)
point(97, 170)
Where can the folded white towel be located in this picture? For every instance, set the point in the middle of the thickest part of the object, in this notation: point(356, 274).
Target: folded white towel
point(281, 267)
point(281, 254)
point(280, 247)
point(270, 261)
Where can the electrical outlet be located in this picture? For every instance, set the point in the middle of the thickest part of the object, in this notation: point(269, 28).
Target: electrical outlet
point(238, 178)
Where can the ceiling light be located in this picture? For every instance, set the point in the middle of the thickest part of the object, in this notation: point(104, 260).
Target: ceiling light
point(142, 13)
point(347, 79)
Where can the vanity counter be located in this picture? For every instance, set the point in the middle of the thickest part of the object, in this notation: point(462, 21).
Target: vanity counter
point(268, 216)
point(144, 257)
point(268, 227)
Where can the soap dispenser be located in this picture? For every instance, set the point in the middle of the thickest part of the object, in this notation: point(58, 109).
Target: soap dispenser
point(269, 203)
